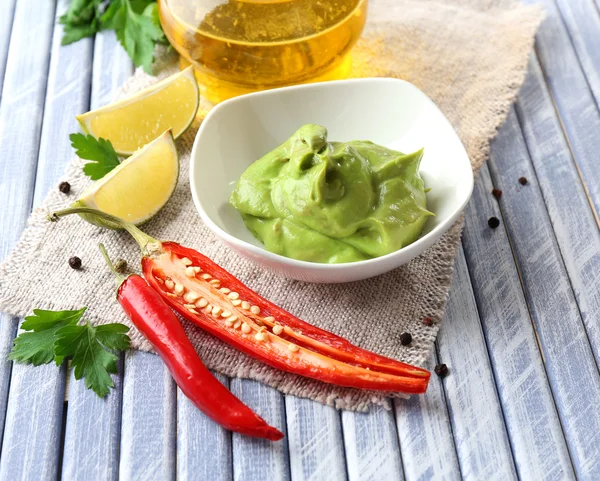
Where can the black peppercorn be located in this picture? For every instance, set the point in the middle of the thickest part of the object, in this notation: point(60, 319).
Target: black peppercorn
point(405, 338)
point(64, 187)
point(441, 370)
point(497, 193)
point(523, 180)
point(75, 262)
point(428, 321)
point(493, 222)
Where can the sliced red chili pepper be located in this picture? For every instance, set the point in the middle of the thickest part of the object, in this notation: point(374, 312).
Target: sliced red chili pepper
point(157, 322)
point(209, 296)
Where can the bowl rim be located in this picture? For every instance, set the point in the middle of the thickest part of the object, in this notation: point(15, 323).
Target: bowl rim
point(411, 250)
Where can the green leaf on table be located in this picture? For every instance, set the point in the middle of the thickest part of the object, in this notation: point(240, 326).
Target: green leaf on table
point(82, 19)
point(137, 32)
point(36, 346)
point(89, 348)
point(99, 151)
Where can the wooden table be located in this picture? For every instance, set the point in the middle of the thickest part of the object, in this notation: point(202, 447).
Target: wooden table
point(521, 333)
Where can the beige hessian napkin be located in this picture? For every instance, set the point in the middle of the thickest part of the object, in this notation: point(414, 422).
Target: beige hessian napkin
point(469, 56)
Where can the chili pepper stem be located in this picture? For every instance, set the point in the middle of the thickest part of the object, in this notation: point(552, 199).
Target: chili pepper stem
point(120, 278)
point(148, 244)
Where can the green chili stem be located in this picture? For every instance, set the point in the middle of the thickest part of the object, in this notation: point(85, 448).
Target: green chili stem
point(143, 239)
point(120, 278)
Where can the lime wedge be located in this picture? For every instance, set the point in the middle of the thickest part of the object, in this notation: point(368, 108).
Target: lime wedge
point(139, 187)
point(133, 122)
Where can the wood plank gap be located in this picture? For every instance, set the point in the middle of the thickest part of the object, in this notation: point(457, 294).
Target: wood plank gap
point(399, 447)
point(437, 358)
point(343, 443)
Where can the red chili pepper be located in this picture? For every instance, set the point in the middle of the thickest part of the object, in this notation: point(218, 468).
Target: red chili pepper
point(209, 296)
point(157, 322)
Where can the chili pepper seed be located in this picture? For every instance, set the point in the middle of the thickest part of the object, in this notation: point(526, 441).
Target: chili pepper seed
point(441, 370)
point(293, 347)
point(201, 303)
point(64, 187)
point(246, 328)
point(185, 261)
point(233, 295)
point(237, 324)
point(206, 276)
point(405, 338)
point(255, 310)
point(224, 290)
point(277, 329)
point(523, 180)
point(269, 319)
point(216, 311)
point(191, 297)
point(190, 272)
point(169, 284)
point(497, 193)
point(225, 314)
point(493, 222)
point(75, 262)
point(215, 282)
point(179, 288)
point(261, 336)
point(245, 305)
point(236, 302)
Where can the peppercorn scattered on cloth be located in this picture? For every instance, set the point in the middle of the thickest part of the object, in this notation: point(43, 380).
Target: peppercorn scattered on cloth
point(469, 56)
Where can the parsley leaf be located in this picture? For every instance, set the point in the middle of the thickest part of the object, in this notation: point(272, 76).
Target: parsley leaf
point(99, 151)
point(57, 335)
point(37, 347)
point(82, 19)
point(88, 346)
point(138, 32)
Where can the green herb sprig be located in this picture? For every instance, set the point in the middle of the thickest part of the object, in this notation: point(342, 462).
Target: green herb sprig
point(135, 22)
point(56, 335)
point(100, 151)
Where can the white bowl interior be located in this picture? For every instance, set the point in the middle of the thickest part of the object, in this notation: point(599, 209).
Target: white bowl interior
point(389, 112)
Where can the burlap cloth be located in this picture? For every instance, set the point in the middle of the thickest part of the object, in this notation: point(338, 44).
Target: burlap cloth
point(469, 56)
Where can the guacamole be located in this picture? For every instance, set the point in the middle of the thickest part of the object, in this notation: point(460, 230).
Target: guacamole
point(332, 202)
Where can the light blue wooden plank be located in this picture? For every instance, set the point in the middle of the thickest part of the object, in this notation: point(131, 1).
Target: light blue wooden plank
point(571, 92)
point(314, 434)
point(203, 447)
point(94, 425)
point(6, 21)
point(35, 394)
point(257, 459)
point(583, 23)
point(480, 435)
point(371, 443)
point(67, 95)
point(425, 434)
point(577, 235)
point(530, 414)
point(112, 67)
point(569, 360)
point(149, 419)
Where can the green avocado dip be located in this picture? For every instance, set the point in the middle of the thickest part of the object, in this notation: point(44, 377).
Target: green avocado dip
point(332, 202)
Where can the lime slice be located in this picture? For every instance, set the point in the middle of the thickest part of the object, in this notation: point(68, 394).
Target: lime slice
point(133, 122)
point(139, 187)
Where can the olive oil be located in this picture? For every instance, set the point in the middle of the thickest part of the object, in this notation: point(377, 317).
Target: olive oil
point(239, 46)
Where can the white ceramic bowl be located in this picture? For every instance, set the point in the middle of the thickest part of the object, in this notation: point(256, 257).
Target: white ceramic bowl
point(389, 112)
